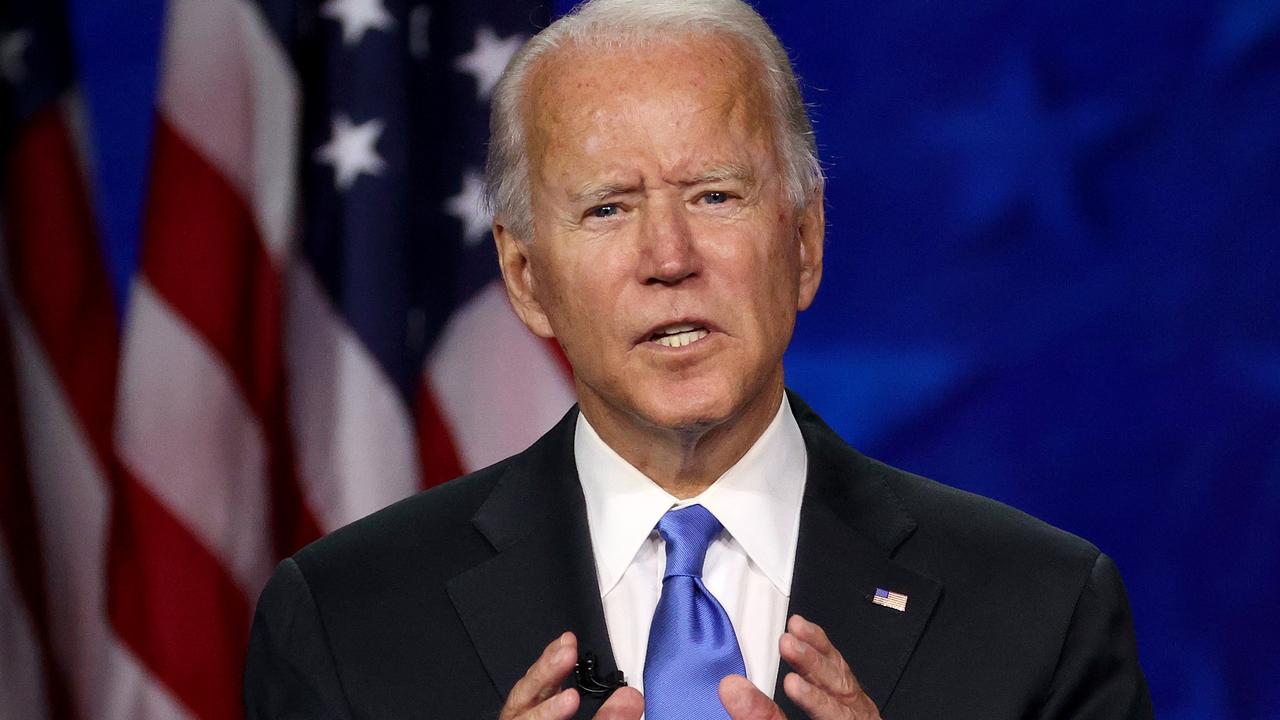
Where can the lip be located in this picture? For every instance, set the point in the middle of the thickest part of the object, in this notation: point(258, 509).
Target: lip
point(644, 339)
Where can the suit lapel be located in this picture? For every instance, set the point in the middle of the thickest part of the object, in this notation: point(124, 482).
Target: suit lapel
point(542, 579)
point(851, 523)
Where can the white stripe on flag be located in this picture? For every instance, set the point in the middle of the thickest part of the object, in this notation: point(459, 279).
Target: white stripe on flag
point(356, 447)
point(72, 504)
point(22, 691)
point(498, 385)
point(185, 431)
point(277, 109)
point(129, 692)
point(230, 91)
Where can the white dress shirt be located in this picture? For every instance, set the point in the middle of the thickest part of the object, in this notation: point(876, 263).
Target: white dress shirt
point(748, 568)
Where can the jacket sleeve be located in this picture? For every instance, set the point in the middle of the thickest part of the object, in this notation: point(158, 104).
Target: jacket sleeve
point(289, 672)
point(1098, 675)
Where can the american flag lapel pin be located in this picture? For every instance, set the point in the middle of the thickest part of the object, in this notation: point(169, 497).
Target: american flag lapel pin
point(888, 599)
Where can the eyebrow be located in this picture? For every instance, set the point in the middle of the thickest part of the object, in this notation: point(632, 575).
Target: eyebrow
point(721, 173)
point(598, 192)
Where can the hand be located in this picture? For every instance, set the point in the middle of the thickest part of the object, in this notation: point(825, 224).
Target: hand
point(822, 684)
point(537, 695)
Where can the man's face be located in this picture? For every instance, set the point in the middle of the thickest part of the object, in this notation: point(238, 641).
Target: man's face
point(666, 258)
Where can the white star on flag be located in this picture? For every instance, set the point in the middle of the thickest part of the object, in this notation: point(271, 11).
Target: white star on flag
point(352, 150)
point(12, 48)
point(358, 17)
point(468, 207)
point(488, 58)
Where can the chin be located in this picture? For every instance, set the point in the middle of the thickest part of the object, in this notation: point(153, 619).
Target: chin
point(686, 407)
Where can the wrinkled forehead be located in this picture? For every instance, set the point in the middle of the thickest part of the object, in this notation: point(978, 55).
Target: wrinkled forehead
point(582, 83)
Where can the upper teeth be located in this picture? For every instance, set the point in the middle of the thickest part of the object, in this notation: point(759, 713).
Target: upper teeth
point(679, 335)
point(673, 329)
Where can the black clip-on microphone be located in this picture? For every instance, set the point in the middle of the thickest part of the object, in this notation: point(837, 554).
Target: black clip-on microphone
point(584, 674)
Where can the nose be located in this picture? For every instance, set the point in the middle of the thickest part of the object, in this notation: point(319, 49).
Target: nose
point(668, 255)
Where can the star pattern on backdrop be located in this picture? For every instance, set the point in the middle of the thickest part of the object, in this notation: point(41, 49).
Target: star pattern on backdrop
point(13, 48)
point(488, 58)
point(1015, 150)
point(485, 62)
point(468, 207)
point(358, 17)
point(394, 227)
point(352, 150)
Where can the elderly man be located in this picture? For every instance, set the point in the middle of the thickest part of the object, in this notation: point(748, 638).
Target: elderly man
point(658, 211)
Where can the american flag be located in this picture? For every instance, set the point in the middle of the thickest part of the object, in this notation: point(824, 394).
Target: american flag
point(315, 330)
point(889, 599)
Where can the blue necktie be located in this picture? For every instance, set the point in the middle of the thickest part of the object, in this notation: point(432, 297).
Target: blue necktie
point(692, 646)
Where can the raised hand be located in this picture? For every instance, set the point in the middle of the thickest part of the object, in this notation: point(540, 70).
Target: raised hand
point(537, 695)
point(822, 684)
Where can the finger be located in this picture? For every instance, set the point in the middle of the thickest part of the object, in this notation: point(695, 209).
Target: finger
point(818, 704)
point(826, 671)
point(806, 647)
point(744, 701)
point(810, 632)
point(624, 704)
point(560, 706)
point(542, 680)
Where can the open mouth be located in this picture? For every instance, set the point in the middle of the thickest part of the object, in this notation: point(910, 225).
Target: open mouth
point(676, 336)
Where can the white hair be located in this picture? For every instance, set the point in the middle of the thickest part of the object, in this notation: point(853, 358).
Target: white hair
point(617, 23)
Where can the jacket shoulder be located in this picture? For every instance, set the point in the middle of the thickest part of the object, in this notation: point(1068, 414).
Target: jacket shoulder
point(434, 524)
point(943, 531)
point(945, 519)
point(980, 524)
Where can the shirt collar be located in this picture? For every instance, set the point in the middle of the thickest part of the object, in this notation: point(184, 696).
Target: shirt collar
point(757, 500)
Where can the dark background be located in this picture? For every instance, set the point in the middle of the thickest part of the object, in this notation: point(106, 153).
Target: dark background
point(1052, 278)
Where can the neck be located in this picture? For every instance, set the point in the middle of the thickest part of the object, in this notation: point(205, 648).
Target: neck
point(686, 461)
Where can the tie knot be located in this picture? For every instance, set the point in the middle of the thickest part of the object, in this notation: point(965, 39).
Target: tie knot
point(688, 532)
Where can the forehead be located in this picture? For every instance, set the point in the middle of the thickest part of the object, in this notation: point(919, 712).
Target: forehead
point(673, 96)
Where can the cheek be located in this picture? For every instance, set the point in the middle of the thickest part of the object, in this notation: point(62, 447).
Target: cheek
point(780, 283)
point(583, 291)
point(769, 263)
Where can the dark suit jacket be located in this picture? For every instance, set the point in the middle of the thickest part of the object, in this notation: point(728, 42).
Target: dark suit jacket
point(435, 606)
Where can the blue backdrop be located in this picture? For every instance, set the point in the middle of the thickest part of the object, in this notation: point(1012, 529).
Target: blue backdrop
point(1052, 278)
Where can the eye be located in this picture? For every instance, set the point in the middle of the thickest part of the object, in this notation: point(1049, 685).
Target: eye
point(715, 197)
point(604, 211)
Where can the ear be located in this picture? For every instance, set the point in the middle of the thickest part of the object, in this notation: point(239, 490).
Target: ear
point(811, 233)
point(516, 262)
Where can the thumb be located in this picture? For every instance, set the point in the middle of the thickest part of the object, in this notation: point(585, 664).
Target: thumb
point(625, 703)
point(744, 701)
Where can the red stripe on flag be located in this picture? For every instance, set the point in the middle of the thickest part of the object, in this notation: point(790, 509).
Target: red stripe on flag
point(60, 282)
point(293, 524)
point(174, 605)
point(438, 456)
point(203, 255)
point(18, 528)
point(58, 272)
point(170, 597)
